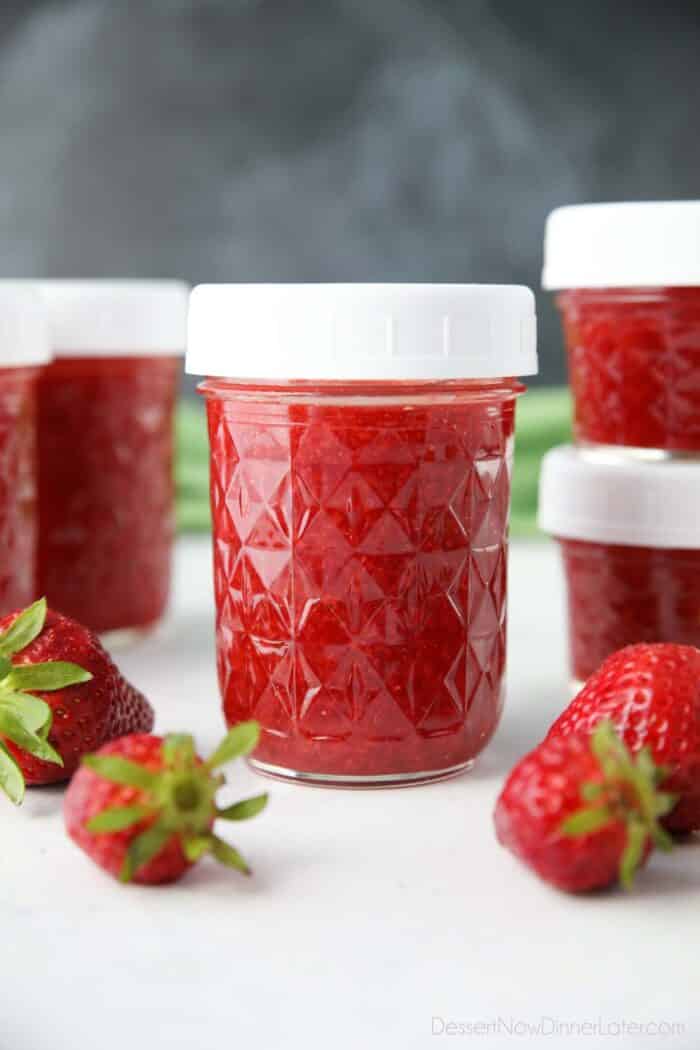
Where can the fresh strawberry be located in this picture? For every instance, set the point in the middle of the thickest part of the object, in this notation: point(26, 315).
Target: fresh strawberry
point(651, 694)
point(143, 807)
point(582, 812)
point(60, 697)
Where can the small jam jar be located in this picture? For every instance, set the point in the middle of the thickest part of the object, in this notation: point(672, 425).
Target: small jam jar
point(106, 449)
point(24, 349)
point(361, 448)
point(628, 278)
point(629, 534)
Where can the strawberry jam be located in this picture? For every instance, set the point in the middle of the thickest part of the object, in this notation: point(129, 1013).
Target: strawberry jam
point(18, 497)
point(634, 365)
point(618, 595)
point(106, 488)
point(360, 551)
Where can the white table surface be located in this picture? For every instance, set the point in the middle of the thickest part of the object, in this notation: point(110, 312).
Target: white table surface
point(373, 918)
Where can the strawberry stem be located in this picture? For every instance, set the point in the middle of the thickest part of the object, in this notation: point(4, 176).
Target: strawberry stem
point(178, 800)
point(627, 792)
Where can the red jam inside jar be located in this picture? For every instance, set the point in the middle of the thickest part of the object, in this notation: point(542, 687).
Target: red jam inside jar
point(634, 366)
point(18, 496)
point(106, 487)
point(619, 595)
point(360, 555)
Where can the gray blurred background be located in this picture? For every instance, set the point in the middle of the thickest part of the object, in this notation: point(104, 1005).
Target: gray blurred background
point(355, 140)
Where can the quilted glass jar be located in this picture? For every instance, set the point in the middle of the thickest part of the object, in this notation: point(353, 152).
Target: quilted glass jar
point(628, 534)
point(628, 277)
point(24, 349)
point(105, 437)
point(360, 511)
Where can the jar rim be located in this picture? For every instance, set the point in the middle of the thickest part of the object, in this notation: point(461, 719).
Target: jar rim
point(359, 391)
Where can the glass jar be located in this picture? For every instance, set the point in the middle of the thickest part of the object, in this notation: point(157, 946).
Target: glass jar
point(106, 450)
point(628, 277)
point(361, 448)
point(630, 543)
point(24, 348)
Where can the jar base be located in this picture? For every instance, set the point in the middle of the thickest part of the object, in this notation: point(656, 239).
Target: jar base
point(371, 781)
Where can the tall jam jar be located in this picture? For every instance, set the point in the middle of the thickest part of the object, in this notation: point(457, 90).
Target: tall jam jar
point(106, 496)
point(361, 449)
point(24, 350)
point(630, 543)
point(627, 278)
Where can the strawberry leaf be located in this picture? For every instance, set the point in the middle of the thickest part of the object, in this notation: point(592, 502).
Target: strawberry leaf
point(229, 856)
point(586, 821)
point(11, 779)
point(54, 674)
point(145, 847)
point(117, 819)
point(660, 837)
point(34, 714)
point(24, 629)
point(637, 835)
point(5, 667)
point(12, 727)
point(178, 750)
point(121, 771)
point(195, 846)
point(245, 809)
point(592, 791)
point(240, 740)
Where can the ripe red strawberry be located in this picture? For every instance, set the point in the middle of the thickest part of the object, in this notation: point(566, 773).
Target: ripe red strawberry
point(60, 697)
point(581, 812)
point(143, 807)
point(651, 694)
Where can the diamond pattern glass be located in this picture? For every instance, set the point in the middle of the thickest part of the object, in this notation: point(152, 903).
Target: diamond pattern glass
point(360, 552)
point(621, 595)
point(634, 364)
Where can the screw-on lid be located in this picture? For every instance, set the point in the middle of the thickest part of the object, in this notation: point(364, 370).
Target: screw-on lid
point(631, 245)
point(362, 331)
point(609, 497)
point(115, 318)
point(24, 333)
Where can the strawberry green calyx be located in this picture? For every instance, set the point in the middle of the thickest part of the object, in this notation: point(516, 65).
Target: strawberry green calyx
point(177, 800)
point(628, 792)
point(25, 719)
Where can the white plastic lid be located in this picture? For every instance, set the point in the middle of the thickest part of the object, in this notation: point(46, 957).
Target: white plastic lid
point(24, 332)
point(607, 497)
point(362, 331)
point(115, 318)
point(631, 245)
